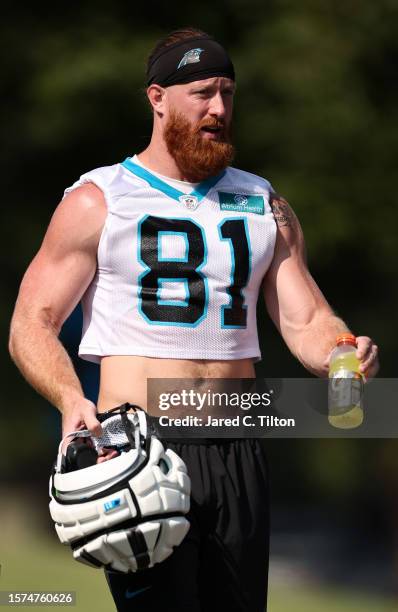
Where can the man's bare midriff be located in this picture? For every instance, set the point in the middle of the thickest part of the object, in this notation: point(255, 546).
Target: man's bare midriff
point(124, 378)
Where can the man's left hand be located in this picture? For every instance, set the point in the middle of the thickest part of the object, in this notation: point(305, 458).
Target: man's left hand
point(367, 353)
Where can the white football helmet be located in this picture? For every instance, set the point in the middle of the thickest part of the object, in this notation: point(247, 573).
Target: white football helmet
point(126, 513)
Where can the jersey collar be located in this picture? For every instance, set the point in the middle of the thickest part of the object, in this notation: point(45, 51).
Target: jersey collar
point(200, 192)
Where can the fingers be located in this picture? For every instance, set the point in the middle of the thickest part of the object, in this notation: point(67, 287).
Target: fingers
point(90, 419)
point(326, 363)
point(367, 353)
point(105, 454)
point(82, 414)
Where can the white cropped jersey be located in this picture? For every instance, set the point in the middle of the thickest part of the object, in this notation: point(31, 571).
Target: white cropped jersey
point(178, 274)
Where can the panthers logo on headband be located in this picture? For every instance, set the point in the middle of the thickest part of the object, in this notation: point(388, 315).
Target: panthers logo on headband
point(190, 57)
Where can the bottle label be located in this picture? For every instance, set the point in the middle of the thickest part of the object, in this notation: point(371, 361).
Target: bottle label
point(345, 391)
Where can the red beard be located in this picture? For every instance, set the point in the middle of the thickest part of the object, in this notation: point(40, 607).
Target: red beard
point(197, 157)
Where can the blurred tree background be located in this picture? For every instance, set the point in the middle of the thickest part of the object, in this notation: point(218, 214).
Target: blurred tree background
point(316, 114)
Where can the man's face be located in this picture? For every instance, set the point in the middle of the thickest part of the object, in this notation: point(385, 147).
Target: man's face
point(209, 101)
point(197, 126)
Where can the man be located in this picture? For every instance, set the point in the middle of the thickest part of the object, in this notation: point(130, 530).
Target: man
point(168, 252)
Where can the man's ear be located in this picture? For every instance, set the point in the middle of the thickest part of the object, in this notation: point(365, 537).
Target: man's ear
point(156, 96)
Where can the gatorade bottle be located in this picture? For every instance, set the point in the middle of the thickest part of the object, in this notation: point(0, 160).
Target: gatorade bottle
point(345, 384)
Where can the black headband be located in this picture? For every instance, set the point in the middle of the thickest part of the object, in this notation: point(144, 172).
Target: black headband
point(190, 60)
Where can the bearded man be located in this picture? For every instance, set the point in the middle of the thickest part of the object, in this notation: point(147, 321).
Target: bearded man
point(168, 252)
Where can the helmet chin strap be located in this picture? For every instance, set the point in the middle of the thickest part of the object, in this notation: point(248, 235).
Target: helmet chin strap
point(134, 443)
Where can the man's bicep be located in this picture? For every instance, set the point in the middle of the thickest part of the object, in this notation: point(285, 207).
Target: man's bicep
point(66, 262)
point(291, 295)
point(51, 289)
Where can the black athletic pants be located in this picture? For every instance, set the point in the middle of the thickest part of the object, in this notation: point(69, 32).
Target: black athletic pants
point(222, 564)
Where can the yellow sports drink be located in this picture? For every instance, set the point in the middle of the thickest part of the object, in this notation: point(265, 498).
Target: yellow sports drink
point(345, 384)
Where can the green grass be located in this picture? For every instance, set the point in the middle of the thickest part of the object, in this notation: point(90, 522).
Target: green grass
point(30, 562)
point(304, 599)
point(42, 566)
point(38, 565)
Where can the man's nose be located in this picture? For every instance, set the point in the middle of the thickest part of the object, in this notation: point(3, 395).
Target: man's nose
point(217, 106)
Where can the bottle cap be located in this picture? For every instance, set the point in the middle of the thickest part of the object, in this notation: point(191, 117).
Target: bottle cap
point(346, 338)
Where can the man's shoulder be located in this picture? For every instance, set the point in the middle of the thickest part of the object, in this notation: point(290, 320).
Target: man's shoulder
point(109, 179)
point(242, 178)
point(103, 174)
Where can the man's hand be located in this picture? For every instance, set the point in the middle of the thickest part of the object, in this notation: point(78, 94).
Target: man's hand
point(367, 353)
point(82, 415)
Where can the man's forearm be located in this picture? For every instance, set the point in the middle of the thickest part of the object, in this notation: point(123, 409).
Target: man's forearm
point(316, 341)
point(44, 362)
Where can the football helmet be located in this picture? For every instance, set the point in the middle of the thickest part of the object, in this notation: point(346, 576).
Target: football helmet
point(126, 513)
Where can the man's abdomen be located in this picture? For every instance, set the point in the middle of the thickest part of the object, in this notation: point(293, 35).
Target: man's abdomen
point(124, 378)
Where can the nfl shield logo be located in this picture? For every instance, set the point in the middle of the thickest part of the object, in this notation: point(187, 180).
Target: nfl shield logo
point(190, 201)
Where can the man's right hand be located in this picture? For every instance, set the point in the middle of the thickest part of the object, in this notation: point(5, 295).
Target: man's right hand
point(81, 414)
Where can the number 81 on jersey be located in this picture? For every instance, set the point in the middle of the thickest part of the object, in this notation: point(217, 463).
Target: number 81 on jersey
point(187, 269)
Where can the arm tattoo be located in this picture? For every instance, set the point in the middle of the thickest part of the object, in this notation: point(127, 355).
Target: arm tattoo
point(283, 214)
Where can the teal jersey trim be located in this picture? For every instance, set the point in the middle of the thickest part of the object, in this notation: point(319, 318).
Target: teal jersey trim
point(200, 192)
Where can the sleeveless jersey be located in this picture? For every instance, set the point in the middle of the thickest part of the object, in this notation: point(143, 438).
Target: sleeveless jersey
point(178, 274)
